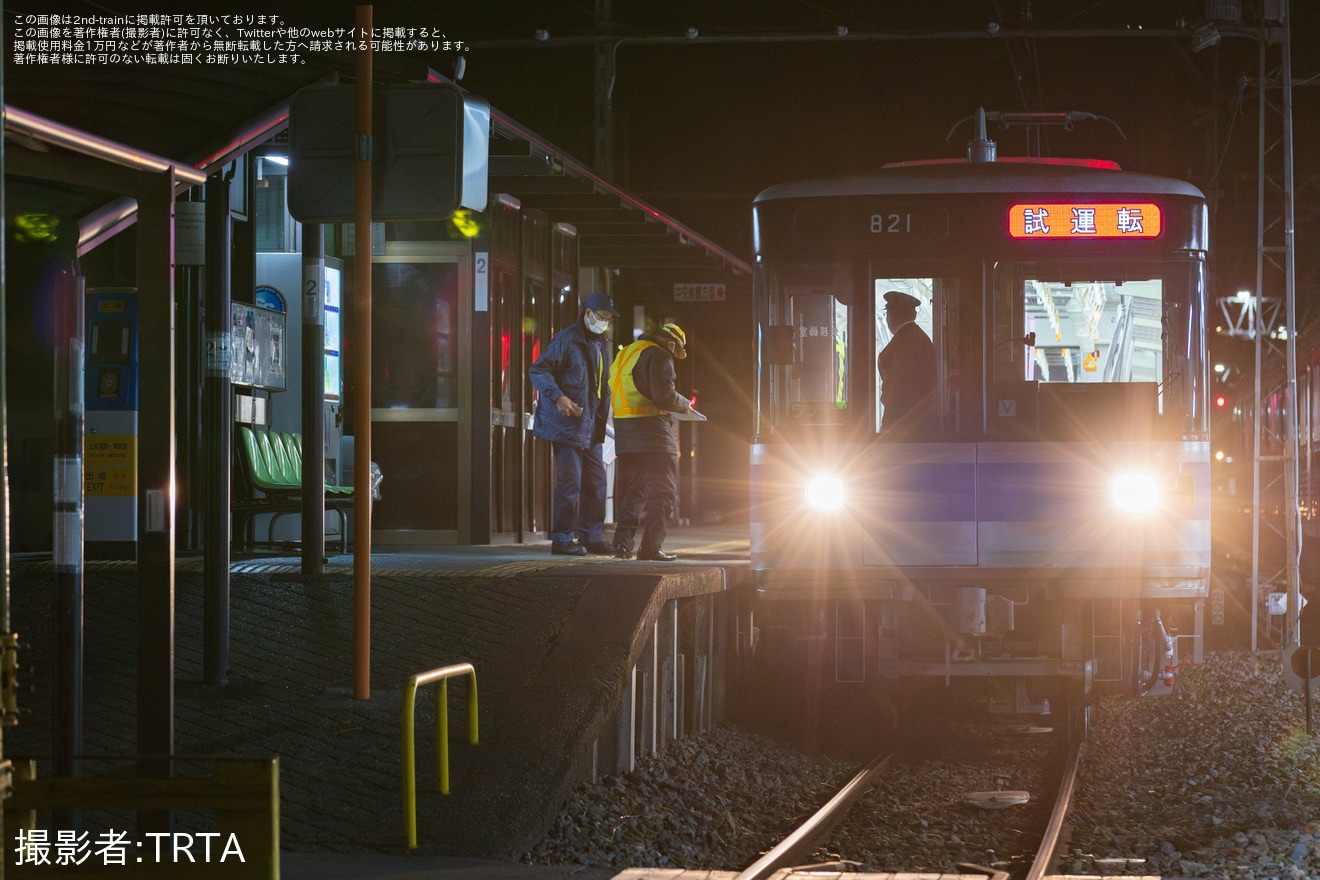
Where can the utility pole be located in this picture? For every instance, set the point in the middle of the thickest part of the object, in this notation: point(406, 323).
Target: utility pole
point(1276, 475)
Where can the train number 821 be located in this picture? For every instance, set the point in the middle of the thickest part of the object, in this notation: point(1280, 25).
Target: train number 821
point(891, 223)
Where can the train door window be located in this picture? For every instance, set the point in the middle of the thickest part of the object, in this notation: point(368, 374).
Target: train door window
point(820, 331)
point(563, 274)
point(809, 351)
point(536, 326)
point(507, 371)
point(928, 319)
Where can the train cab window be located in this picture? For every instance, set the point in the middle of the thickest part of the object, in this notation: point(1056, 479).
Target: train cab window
point(1081, 351)
point(1094, 331)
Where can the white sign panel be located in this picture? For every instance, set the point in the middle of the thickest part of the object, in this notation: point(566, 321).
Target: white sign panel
point(699, 293)
point(481, 281)
point(190, 233)
point(1277, 603)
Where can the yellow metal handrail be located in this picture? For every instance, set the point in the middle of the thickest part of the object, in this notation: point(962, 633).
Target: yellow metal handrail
point(442, 675)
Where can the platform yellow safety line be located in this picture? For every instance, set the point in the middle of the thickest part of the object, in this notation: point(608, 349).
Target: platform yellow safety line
point(442, 675)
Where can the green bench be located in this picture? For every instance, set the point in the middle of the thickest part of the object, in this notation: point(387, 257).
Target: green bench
point(272, 483)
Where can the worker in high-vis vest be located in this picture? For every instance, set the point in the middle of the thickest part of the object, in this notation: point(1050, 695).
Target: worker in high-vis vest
point(643, 396)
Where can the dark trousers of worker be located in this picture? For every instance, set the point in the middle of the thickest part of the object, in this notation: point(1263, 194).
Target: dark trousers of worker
point(645, 492)
point(579, 506)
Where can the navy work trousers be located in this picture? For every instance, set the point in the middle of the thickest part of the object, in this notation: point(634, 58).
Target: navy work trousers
point(645, 490)
point(579, 507)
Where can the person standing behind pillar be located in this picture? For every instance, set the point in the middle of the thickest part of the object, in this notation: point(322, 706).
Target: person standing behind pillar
point(571, 378)
point(646, 439)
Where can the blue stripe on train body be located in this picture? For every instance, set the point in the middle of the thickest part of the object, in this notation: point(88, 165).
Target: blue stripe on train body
point(1040, 505)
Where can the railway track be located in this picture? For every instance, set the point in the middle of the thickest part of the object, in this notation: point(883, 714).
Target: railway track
point(1209, 782)
point(825, 839)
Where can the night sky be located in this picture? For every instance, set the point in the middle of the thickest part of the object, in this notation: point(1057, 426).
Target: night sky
point(704, 124)
point(786, 89)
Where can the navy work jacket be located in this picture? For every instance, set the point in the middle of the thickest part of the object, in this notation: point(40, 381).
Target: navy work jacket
point(575, 364)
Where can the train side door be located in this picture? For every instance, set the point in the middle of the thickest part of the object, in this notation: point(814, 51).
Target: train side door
point(925, 491)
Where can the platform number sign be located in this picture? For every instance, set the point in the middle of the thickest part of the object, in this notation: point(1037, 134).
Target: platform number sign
point(481, 281)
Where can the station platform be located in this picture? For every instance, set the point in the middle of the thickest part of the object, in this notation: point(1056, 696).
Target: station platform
point(548, 635)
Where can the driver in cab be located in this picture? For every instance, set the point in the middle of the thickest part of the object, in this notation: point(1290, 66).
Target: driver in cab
point(907, 371)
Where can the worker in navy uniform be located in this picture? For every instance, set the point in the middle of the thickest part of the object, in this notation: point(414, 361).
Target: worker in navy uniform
point(907, 370)
point(646, 438)
point(571, 377)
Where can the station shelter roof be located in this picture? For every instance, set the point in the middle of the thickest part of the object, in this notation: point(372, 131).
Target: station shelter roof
point(72, 131)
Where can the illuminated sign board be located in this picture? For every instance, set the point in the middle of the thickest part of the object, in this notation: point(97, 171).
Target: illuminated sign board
point(1074, 220)
point(333, 285)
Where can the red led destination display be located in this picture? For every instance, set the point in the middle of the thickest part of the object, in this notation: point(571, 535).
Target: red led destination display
point(1074, 220)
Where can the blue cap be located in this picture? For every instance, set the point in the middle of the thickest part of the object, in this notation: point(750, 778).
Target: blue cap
point(599, 302)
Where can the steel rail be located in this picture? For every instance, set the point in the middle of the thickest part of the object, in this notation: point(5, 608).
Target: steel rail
point(810, 833)
point(1047, 851)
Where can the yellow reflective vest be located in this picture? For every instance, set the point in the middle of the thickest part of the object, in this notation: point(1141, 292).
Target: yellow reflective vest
point(628, 402)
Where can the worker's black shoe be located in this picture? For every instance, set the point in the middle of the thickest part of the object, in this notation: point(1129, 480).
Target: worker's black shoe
point(622, 552)
point(600, 548)
point(558, 549)
point(656, 555)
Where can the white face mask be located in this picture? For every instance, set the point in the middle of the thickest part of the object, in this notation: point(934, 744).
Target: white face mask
point(596, 326)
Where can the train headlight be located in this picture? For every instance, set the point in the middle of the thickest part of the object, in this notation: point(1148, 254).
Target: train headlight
point(825, 493)
point(1135, 492)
